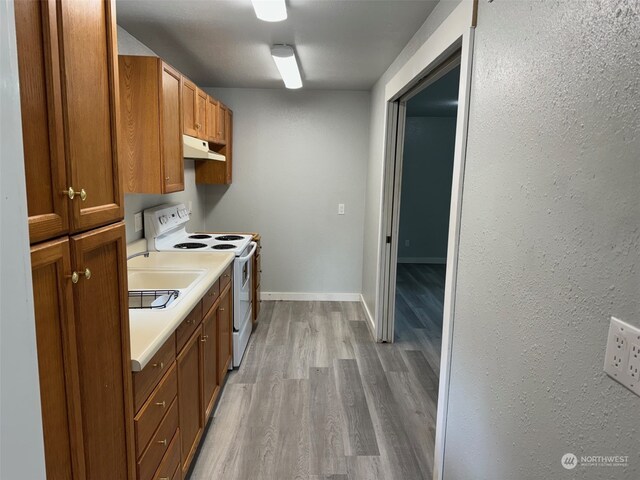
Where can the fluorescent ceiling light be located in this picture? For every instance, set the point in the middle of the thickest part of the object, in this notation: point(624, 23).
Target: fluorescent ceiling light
point(285, 59)
point(270, 10)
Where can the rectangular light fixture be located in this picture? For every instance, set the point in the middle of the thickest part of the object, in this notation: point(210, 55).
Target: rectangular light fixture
point(270, 10)
point(285, 59)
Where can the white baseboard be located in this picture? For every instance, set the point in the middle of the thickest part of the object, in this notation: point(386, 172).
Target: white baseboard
point(433, 260)
point(309, 297)
point(370, 322)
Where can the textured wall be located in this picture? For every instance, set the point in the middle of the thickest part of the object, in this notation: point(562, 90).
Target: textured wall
point(549, 243)
point(133, 203)
point(21, 445)
point(297, 155)
point(427, 169)
point(375, 165)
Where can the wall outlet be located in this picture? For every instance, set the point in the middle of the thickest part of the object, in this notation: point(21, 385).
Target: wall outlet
point(341, 209)
point(138, 221)
point(622, 360)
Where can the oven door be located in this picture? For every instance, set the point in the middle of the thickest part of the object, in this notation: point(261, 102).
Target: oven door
point(242, 267)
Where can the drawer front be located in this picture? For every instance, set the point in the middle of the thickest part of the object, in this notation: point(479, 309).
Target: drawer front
point(171, 460)
point(146, 380)
point(159, 445)
point(210, 297)
point(154, 409)
point(188, 326)
point(225, 278)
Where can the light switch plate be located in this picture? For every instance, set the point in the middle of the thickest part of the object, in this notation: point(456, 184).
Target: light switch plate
point(138, 221)
point(622, 360)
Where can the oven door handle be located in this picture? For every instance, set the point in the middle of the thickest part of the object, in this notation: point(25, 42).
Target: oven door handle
point(245, 259)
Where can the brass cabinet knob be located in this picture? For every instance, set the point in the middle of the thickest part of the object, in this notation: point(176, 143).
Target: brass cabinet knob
point(161, 404)
point(75, 276)
point(159, 365)
point(71, 193)
point(163, 442)
point(167, 179)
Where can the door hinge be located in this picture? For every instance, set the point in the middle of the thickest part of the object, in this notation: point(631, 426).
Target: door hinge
point(388, 238)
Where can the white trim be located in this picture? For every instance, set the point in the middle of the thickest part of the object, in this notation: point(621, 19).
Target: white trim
point(310, 297)
point(429, 260)
point(370, 322)
point(455, 32)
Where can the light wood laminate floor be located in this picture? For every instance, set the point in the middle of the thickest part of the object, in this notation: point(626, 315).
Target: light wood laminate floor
point(316, 398)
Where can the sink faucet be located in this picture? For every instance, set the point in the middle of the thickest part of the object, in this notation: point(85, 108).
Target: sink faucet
point(139, 254)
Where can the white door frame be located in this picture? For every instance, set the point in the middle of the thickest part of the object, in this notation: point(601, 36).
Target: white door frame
point(455, 33)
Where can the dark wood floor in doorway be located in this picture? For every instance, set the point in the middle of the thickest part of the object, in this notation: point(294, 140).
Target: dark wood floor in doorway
point(316, 398)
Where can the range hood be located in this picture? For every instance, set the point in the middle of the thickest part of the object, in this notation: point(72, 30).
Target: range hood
point(199, 150)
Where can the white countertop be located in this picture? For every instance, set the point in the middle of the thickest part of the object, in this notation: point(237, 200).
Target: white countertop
point(150, 328)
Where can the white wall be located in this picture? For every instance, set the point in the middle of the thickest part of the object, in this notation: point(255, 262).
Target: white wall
point(21, 445)
point(297, 154)
point(375, 164)
point(133, 203)
point(550, 242)
point(427, 173)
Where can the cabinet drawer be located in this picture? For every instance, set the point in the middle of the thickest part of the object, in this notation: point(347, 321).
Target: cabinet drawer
point(188, 326)
point(171, 460)
point(225, 278)
point(146, 380)
point(154, 409)
point(159, 445)
point(210, 297)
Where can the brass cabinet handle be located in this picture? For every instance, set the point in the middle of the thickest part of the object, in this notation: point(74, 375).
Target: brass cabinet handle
point(221, 309)
point(163, 442)
point(226, 275)
point(159, 365)
point(167, 179)
point(75, 276)
point(161, 404)
point(204, 338)
point(71, 193)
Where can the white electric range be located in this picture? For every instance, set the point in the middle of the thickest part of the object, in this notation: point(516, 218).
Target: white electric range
point(165, 231)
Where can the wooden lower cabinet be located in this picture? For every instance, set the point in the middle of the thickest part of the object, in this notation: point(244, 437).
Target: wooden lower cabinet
point(82, 332)
point(190, 397)
point(225, 335)
point(101, 321)
point(57, 360)
point(210, 361)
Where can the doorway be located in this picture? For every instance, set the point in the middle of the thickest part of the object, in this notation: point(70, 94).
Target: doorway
point(424, 197)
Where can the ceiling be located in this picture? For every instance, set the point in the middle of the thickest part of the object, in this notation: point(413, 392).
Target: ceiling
point(440, 99)
point(341, 44)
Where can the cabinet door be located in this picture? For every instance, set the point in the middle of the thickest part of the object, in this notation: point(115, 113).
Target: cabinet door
point(101, 321)
point(57, 361)
point(191, 411)
point(189, 107)
point(41, 105)
point(212, 113)
point(89, 72)
point(201, 117)
point(209, 361)
point(171, 133)
point(220, 123)
point(225, 326)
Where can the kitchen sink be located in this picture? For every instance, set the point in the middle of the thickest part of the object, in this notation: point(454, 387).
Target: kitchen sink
point(163, 279)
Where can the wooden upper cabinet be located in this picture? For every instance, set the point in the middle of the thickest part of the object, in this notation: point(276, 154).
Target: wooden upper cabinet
point(221, 124)
point(219, 172)
point(41, 105)
point(189, 106)
point(212, 115)
point(101, 323)
point(57, 360)
point(89, 73)
point(201, 114)
point(150, 125)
